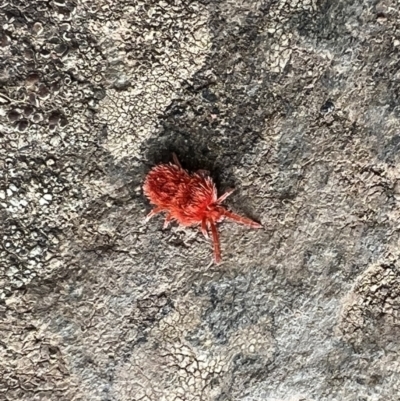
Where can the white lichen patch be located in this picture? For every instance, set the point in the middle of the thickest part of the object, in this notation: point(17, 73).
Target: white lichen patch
point(373, 299)
point(278, 36)
point(169, 367)
point(140, 90)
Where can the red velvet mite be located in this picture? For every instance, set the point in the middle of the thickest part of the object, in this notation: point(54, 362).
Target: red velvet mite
point(189, 198)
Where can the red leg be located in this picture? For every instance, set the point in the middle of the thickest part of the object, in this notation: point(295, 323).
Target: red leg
point(240, 219)
point(225, 195)
point(204, 228)
point(217, 246)
point(168, 218)
point(175, 159)
point(153, 212)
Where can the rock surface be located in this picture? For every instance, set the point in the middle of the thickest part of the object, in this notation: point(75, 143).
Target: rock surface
point(295, 103)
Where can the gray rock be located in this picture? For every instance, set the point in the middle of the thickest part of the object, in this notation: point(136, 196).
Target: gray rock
point(295, 104)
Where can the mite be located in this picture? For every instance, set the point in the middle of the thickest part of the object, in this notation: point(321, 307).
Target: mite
point(191, 199)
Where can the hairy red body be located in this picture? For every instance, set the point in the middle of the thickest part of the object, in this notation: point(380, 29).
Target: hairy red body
point(190, 199)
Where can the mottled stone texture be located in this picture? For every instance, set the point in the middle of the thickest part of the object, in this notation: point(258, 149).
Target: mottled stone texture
point(295, 103)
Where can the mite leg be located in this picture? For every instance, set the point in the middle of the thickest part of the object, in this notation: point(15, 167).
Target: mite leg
point(241, 220)
point(225, 195)
point(217, 246)
point(168, 218)
point(204, 227)
point(175, 159)
point(203, 173)
point(153, 212)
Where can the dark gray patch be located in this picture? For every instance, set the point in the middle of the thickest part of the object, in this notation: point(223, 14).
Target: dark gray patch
point(391, 151)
